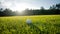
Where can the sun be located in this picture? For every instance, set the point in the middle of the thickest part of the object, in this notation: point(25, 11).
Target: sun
point(20, 6)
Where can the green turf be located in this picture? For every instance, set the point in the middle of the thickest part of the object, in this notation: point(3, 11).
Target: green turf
point(43, 24)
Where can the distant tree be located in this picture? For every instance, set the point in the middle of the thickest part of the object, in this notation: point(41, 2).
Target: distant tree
point(50, 8)
point(58, 6)
point(54, 9)
point(42, 10)
point(1, 9)
point(26, 12)
point(7, 12)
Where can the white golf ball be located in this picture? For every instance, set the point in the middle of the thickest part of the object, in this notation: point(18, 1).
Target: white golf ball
point(28, 21)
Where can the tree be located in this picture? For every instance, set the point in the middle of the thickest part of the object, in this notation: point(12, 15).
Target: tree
point(58, 6)
point(7, 12)
point(42, 10)
point(1, 9)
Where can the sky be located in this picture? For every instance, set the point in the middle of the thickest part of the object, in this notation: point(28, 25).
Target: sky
point(20, 5)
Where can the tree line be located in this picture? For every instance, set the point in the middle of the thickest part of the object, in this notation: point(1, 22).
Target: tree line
point(53, 10)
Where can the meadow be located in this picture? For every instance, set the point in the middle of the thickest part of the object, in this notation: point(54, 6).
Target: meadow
point(41, 24)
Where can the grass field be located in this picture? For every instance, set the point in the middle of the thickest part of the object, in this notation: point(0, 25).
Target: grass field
point(43, 24)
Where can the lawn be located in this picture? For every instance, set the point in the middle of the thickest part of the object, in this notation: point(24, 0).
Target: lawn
point(41, 24)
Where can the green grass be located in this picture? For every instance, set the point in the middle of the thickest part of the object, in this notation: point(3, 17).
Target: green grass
point(43, 24)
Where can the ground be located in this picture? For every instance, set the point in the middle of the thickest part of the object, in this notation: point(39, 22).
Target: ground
point(41, 24)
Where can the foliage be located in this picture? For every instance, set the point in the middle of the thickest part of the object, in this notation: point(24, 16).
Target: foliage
point(55, 9)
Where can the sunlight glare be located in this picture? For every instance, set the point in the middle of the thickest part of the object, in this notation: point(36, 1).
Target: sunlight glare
point(20, 7)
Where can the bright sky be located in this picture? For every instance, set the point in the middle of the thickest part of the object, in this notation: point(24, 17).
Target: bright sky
point(20, 5)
